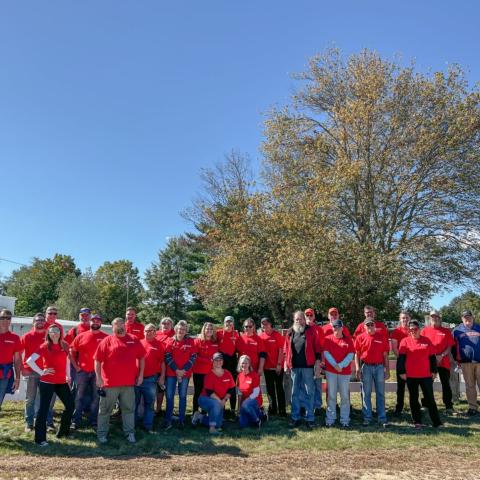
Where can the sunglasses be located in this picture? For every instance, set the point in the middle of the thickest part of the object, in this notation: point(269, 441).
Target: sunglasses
point(248, 326)
point(309, 314)
point(370, 324)
point(338, 328)
point(52, 313)
point(5, 317)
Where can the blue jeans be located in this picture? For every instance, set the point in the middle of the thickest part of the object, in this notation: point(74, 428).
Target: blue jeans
point(147, 390)
point(3, 389)
point(86, 398)
point(373, 375)
point(171, 385)
point(337, 383)
point(250, 413)
point(303, 393)
point(318, 393)
point(214, 409)
point(32, 400)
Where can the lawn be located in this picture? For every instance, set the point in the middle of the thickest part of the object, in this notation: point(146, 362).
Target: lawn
point(273, 447)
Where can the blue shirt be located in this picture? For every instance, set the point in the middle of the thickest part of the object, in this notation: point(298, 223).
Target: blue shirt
point(468, 343)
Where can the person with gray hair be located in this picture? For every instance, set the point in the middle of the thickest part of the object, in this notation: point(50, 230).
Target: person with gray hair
point(119, 366)
point(180, 356)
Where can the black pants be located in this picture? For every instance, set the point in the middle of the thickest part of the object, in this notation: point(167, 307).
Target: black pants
point(426, 384)
point(230, 364)
point(400, 394)
point(65, 395)
point(275, 392)
point(447, 395)
point(198, 379)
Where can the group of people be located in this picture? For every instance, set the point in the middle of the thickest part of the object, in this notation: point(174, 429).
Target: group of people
point(137, 366)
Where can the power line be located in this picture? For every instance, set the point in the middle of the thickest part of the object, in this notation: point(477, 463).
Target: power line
point(12, 261)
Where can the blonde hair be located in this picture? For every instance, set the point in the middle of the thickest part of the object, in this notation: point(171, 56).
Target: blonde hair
point(241, 360)
point(202, 336)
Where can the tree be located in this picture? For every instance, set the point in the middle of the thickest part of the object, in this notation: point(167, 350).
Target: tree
point(35, 286)
point(452, 312)
point(170, 280)
point(118, 285)
point(75, 292)
point(370, 194)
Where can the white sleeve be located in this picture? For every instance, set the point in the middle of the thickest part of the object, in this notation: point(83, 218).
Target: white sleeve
point(31, 362)
point(255, 393)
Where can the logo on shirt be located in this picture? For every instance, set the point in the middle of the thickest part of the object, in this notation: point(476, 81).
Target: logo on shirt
point(9, 341)
point(130, 343)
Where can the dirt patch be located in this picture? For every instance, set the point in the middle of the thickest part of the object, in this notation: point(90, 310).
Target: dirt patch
point(408, 464)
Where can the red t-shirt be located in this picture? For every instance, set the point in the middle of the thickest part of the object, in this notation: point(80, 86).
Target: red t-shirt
point(318, 329)
point(9, 345)
point(180, 351)
point(155, 356)
point(219, 385)
point(227, 341)
point(272, 343)
point(86, 345)
point(379, 328)
point(246, 383)
point(441, 338)
point(399, 334)
point(205, 350)
point(338, 348)
point(56, 358)
point(370, 348)
point(418, 351)
point(75, 331)
point(328, 330)
point(31, 342)
point(136, 329)
point(251, 346)
point(118, 356)
point(163, 336)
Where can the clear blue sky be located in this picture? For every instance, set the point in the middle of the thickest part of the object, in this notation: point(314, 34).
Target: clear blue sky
point(109, 109)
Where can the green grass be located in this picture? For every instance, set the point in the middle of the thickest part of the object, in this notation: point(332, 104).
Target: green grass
point(274, 436)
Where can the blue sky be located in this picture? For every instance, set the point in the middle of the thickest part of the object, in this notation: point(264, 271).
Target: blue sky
point(108, 110)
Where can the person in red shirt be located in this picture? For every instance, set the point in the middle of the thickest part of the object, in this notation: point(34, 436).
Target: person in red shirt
point(418, 366)
point(249, 394)
point(370, 314)
point(31, 341)
point(249, 343)
point(10, 359)
point(227, 338)
point(165, 332)
point(333, 315)
point(54, 378)
point(273, 368)
point(132, 326)
point(153, 375)
point(180, 357)
point(217, 389)
point(312, 321)
point(396, 337)
point(205, 345)
point(338, 352)
point(119, 366)
point(82, 351)
point(442, 341)
point(372, 368)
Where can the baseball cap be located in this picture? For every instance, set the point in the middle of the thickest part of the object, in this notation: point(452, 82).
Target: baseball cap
point(309, 311)
point(97, 316)
point(435, 312)
point(368, 320)
point(467, 313)
point(217, 356)
point(228, 318)
point(85, 310)
point(337, 323)
point(413, 323)
point(333, 310)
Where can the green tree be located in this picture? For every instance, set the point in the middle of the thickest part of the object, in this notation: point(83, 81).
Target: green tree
point(452, 312)
point(118, 285)
point(75, 292)
point(35, 286)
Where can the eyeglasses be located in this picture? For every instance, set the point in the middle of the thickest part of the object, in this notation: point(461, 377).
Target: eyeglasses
point(5, 317)
point(413, 329)
point(337, 328)
point(248, 326)
point(369, 324)
point(52, 313)
point(309, 314)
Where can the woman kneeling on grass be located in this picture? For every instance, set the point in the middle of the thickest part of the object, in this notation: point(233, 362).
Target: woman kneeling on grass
point(249, 394)
point(53, 379)
point(218, 387)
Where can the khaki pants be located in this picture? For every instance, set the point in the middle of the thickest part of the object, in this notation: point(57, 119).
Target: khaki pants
point(126, 398)
point(471, 375)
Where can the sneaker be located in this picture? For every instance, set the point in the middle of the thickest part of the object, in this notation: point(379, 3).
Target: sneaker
point(43, 444)
point(471, 412)
point(329, 425)
point(74, 426)
point(310, 425)
point(345, 425)
point(167, 426)
point(215, 431)
point(28, 428)
point(451, 411)
point(294, 423)
point(51, 428)
point(196, 418)
point(418, 426)
point(397, 413)
point(131, 438)
point(102, 440)
point(150, 431)
point(385, 424)
point(366, 423)
point(259, 424)
point(317, 412)
point(181, 426)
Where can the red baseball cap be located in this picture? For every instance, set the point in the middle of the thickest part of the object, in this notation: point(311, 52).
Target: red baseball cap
point(309, 311)
point(333, 310)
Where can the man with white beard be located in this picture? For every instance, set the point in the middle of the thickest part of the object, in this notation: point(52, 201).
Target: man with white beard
point(302, 359)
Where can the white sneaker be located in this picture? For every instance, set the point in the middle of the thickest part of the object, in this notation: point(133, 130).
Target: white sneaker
point(196, 418)
point(43, 444)
point(102, 440)
point(131, 438)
